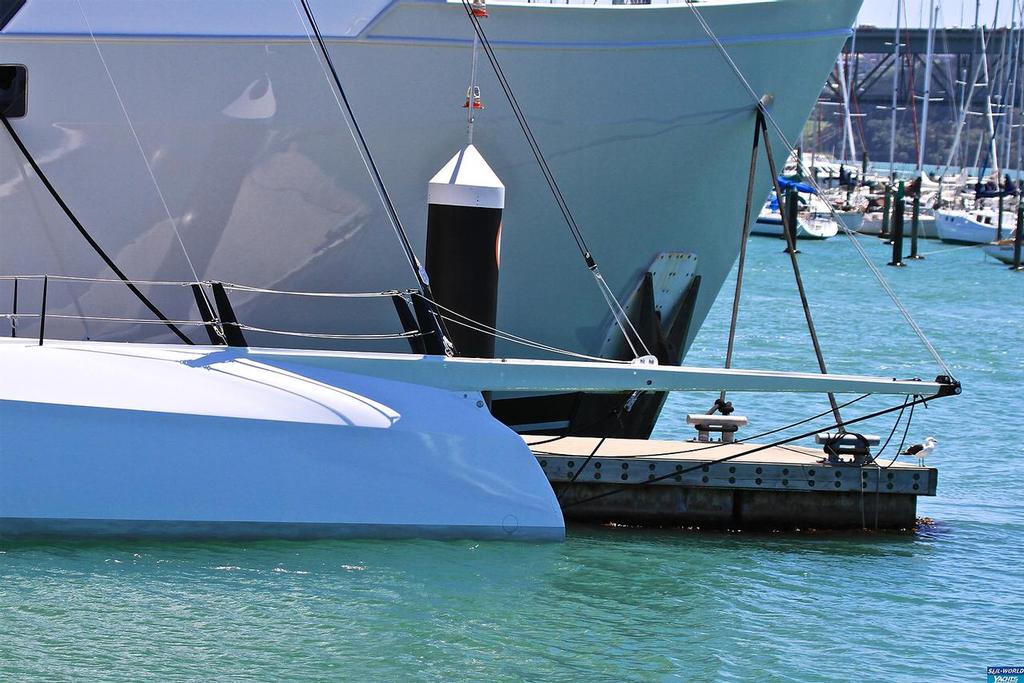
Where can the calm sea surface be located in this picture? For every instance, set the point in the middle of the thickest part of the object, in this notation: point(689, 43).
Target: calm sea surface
point(939, 604)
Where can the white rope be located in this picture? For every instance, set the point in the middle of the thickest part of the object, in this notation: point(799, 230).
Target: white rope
point(324, 335)
point(471, 117)
point(886, 287)
point(330, 295)
point(620, 315)
point(138, 141)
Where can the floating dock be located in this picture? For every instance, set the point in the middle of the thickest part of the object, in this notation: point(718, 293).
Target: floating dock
point(680, 484)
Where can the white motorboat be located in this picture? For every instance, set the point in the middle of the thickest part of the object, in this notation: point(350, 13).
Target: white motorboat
point(926, 224)
point(852, 219)
point(810, 225)
point(974, 226)
point(1001, 251)
point(216, 119)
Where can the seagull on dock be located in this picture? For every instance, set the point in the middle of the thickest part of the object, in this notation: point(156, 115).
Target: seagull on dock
point(922, 450)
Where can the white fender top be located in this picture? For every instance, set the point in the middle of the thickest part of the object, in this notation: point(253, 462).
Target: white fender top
point(467, 180)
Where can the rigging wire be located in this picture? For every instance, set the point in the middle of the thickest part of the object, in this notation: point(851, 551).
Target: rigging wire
point(791, 250)
point(345, 107)
point(741, 265)
point(149, 167)
point(620, 316)
point(466, 321)
point(886, 287)
point(138, 140)
point(88, 237)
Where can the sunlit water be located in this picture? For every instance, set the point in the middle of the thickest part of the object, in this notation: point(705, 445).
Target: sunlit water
point(608, 604)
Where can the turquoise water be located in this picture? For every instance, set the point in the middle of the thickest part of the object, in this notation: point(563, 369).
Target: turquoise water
point(614, 604)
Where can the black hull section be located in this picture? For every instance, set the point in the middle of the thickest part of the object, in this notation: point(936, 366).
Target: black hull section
point(621, 415)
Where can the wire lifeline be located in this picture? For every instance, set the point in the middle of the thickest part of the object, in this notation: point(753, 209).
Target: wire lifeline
point(618, 313)
point(886, 287)
point(229, 286)
point(325, 335)
point(757, 449)
point(88, 237)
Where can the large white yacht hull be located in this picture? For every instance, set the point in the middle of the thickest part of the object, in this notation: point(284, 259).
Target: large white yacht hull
point(645, 126)
point(259, 173)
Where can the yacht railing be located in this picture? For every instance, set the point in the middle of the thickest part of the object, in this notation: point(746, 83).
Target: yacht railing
point(222, 315)
point(223, 326)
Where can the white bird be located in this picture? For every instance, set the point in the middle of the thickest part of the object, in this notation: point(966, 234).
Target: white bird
point(922, 450)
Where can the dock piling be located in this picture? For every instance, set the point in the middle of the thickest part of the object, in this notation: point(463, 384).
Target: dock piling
point(915, 226)
point(1017, 236)
point(886, 209)
point(999, 219)
point(789, 221)
point(897, 238)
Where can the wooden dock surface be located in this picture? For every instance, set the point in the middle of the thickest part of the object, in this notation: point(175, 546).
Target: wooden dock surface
point(665, 483)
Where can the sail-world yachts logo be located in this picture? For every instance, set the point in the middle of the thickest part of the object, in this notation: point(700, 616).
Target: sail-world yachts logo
point(1006, 674)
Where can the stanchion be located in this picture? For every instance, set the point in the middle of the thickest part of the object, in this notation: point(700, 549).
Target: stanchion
point(1017, 235)
point(14, 311)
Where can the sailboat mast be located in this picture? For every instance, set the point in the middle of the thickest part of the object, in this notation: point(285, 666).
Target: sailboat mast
point(895, 90)
point(1014, 67)
point(932, 19)
point(845, 86)
point(989, 115)
point(1020, 101)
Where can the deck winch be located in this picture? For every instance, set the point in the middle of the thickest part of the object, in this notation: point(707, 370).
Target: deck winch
point(847, 447)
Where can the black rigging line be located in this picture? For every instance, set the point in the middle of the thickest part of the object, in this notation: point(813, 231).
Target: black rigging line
point(791, 250)
point(549, 177)
point(371, 165)
point(378, 180)
point(530, 139)
point(88, 238)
